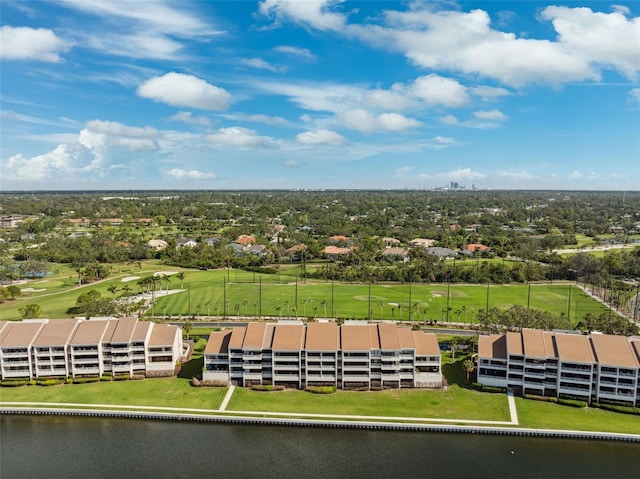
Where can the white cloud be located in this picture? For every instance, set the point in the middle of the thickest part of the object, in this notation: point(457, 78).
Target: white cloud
point(310, 12)
point(600, 38)
point(460, 174)
point(24, 43)
point(466, 42)
point(149, 29)
point(268, 120)
point(305, 118)
point(320, 137)
point(237, 136)
point(621, 9)
point(365, 121)
point(489, 92)
point(187, 117)
point(633, 98)
point(436, 90)
point(262, 65)
point(300, 52)
point(101, 134)
point(492, 115)
point(388, 99)
point(64, 160)
point(448, 120)
point(292, 163)
point(180, 174)
point(178, 89)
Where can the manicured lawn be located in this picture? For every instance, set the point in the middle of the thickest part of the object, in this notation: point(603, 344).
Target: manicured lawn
point(169, 392)
point(455, 403)
point(539, 414)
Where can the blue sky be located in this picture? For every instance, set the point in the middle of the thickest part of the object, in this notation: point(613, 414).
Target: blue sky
point(106, 94)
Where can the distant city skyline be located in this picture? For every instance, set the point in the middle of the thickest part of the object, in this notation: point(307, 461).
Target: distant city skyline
point(319, 94)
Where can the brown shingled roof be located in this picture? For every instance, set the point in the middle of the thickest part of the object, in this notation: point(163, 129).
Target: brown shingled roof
point(426, 344)
point(614, 351)
point(288, 337)
point(533, 342)
point(237, 337)
point(124, 330)
point(20, 335)
point(140, 333)
point(163, 335)
point(254, 336)
point(574, 348)
point(89, 332)
point(355, 337)
point(56, 333)
point(322, 337)
point(218, 342)
point(514, 343)
point(492, 346)
point(405, 335)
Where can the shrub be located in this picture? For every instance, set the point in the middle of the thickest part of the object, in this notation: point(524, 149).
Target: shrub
point(104, 377)
point(14, 383)
point(93, 379)
point(195, 382)
point(492, 389)
point(121, 377)
point(68, 381)
point(49, 382)
point(535, 397)
point(321, 389)
point(266, 387)
point(573, 402)
point(618, 408)
point(137, 377)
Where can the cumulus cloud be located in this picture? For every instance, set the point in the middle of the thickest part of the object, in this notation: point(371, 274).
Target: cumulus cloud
point(187, 117)
point(517, 175)
point(65, 159)
point(320, 137)
point(261, 64)
point(292, 163)
point(466, 42)
point(180, 174)
point(237, 136)
point(436, 90)
point(365, 121)
point(24, 43)
point(460, 174)
point(178, 89)
point(492, 115)
point(101, 134)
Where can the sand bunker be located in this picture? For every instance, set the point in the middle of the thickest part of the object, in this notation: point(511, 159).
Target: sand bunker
point(130, 278)
point(165, 273)
point(33, 290)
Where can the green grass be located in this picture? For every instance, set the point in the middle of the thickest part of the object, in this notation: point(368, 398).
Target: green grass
point(163, 392)
point(537, 414)
point(204, 294)
point(454, 403)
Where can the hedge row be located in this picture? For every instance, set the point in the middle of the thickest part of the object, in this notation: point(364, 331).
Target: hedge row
point(535, 397)
point(266, 387)
point(618, 408)
point(321, 389)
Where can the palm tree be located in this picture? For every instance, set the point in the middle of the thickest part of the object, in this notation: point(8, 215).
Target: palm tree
point(453, 344)
point(279, 311)
point(245, 303)
point(315, 312)
point(464, 312)
point(400, 310)
point(425, 311)
point(180, 276)
point(304, 306)
point(112, 289)
point(208, 305)
point(468, 367)
point(125, 289)
point(186, 327)
point(236, 307)
point(393, 313)
point(381, 305)
point(323, 303)
point(286, 303)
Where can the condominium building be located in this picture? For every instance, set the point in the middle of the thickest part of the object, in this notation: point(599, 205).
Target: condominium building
point(352, 356)
point(79, 348)
point(595, 367)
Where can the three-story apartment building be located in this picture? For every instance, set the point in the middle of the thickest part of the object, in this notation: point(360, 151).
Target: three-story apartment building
point(593, 367)
point(356, 355)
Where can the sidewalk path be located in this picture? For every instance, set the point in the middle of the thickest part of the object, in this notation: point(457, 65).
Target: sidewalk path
point(226, 399)
point(512, 407)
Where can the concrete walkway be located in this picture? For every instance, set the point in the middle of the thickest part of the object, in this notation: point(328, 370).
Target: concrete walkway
point(226, 399)
point(512, 407)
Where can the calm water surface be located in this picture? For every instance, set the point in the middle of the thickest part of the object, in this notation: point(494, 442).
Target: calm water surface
point(64, 447)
